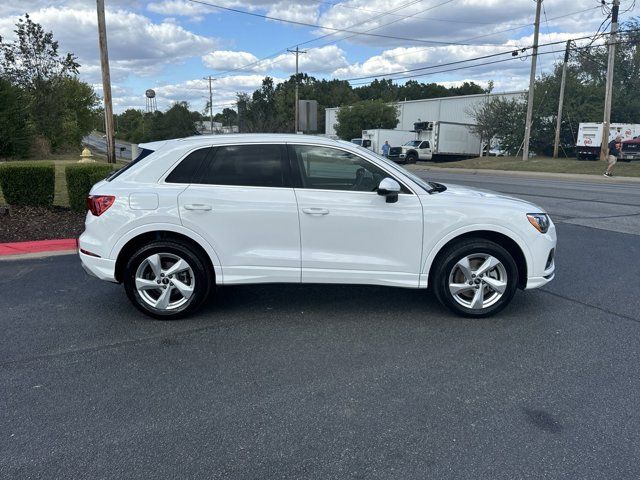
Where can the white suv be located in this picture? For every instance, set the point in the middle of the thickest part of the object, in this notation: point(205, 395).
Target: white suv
point(197, 212)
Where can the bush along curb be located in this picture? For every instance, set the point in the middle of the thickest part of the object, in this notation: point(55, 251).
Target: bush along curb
point(28, 184)
point(80, 179)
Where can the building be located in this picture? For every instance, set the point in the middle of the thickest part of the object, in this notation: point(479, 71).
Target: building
point(446, 109)
point(204, 127)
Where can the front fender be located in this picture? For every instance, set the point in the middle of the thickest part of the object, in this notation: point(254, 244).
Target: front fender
point(431, 251)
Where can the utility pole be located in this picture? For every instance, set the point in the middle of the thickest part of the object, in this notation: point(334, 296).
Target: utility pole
point(608, 92)
point(210, 104)
point(106, 84)
point(556, 143)
point(532, 82)
point(297, 52)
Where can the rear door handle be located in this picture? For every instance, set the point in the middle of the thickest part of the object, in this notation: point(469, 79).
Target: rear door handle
point(197, 206)
point(315, 211)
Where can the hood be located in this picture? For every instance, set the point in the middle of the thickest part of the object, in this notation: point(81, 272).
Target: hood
point(478, 195)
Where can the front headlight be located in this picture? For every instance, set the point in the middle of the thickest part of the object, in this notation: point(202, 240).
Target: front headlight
point(540, 221)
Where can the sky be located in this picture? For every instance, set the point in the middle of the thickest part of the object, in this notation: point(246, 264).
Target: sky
point(171, 46)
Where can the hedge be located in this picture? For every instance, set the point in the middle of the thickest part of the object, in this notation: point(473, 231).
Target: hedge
point(28, 183)
point(80, 179)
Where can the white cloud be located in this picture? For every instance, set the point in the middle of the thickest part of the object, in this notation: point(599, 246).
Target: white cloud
point(136, 44)
point(316, 60)
point(228, 60)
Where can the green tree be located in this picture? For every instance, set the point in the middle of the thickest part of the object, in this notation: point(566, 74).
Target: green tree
point(61, 107)
point(501, 120)
point(228, 116)
point(16, 130)
point(176, 122)
point(365, 115)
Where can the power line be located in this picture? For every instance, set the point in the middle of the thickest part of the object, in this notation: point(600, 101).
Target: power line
point(520, 57)
point(512, 51)
point(400, 54)
point(324, 27)
point(315, 39)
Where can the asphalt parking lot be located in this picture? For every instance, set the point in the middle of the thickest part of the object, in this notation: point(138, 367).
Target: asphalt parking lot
point(335, 382)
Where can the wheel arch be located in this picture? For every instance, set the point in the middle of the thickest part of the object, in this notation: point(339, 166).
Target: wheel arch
point(515, 247)
point(129, 246)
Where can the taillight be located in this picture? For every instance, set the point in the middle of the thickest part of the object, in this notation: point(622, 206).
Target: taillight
point(98, 204)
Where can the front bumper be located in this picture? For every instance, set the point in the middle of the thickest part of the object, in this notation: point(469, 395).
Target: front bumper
point(102, 268)
point(543, 251)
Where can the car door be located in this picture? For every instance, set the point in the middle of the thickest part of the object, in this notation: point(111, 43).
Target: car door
point(425, 150)
point(241, 201)
point(349, 233)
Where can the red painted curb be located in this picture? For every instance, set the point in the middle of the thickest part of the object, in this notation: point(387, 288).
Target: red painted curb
point(42, 246)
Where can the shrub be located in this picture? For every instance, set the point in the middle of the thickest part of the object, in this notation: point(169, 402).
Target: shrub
point(80, 178)
point(28, 183)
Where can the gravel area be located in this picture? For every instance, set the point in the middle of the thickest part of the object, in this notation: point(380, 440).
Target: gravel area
point(21, 224)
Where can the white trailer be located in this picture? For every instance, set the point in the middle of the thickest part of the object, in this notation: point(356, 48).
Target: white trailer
point(590, 137)
point(378, 136)
point(441, 140)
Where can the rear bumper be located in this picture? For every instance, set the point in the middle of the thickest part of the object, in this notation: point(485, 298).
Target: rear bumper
point(102, 268)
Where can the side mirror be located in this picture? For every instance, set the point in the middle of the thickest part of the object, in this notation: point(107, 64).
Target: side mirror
point(390, 189)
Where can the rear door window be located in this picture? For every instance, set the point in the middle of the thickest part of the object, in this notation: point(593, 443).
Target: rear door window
point(246, 165)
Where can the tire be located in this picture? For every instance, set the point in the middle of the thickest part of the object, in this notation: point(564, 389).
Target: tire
point(159, 292)
point(450, 274)
point(412, 158)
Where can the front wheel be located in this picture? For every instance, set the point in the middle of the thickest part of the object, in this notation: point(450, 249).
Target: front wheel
point(412, 158)
point(167, 279)
point(475, 278)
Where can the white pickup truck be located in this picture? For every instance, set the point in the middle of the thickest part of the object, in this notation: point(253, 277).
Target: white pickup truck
point(441, 140)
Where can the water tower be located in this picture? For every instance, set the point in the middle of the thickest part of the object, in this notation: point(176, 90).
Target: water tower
point(150, 95)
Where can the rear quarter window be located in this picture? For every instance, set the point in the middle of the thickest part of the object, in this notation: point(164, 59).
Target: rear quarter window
point(189, 167)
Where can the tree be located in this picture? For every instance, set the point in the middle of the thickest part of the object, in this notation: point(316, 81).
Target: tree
point(365, 115)
point(502, 120)
point(33, 57)
point(228, 116)
point(61, 107)
point(16, 130)
point(174, 123)
point(258, 112)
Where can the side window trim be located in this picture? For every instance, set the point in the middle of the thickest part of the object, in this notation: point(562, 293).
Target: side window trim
point(298, 183)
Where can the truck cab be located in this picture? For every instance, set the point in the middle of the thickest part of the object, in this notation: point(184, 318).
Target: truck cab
point(415, 150)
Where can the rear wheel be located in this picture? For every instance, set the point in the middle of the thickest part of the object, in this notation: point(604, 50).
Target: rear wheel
point(167, 279)
point(475, 278)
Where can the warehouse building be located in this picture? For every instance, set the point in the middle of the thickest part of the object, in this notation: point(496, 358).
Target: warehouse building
point(446, 109)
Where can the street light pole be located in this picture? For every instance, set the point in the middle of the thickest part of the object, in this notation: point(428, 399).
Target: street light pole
point(608, 92)
point(106, 84)
point(532, 82)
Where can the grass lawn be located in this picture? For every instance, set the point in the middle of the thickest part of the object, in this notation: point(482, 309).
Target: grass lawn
point(541, 164)
point(61, 196)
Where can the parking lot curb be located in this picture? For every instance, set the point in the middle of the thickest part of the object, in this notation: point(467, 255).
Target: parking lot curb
point(38, 248)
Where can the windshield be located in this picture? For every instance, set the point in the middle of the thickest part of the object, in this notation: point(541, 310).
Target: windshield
point(391, 164)
point(412, 143)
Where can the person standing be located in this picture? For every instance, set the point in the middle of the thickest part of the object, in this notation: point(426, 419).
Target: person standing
point(614, 152)
point(385, 148)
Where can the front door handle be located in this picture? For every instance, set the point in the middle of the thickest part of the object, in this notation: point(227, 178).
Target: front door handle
point(315, 211)
point(197, 206)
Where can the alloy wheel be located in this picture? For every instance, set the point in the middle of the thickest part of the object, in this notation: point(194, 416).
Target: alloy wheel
point(478, 281)
point(165, 281)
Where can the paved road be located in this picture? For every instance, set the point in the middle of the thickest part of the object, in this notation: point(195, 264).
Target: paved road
point(97, 143)
point(334, 382)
